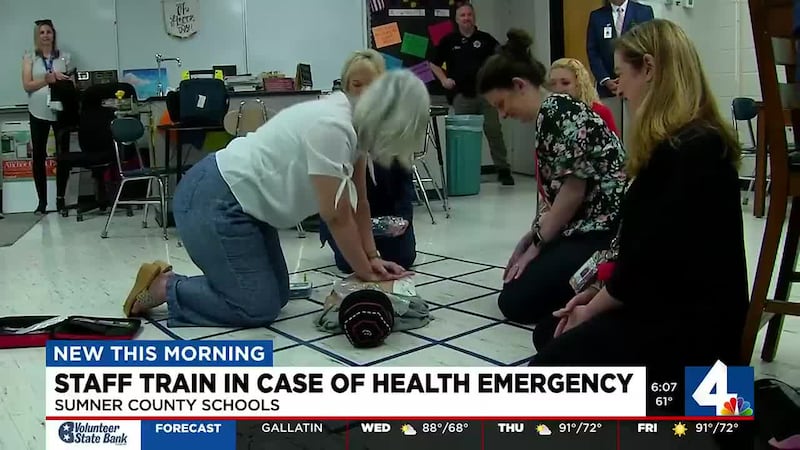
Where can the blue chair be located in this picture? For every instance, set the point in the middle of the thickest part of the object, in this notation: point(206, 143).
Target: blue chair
point(127, 131)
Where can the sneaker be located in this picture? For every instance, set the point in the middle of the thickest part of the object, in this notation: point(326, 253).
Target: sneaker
point(505, 178)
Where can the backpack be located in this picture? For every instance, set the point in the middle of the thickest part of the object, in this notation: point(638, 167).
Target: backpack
point(199, 102)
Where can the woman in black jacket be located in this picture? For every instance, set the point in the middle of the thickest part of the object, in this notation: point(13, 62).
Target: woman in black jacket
point(677, 293)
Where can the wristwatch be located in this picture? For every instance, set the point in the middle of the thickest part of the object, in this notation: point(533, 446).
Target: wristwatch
point(374, 255)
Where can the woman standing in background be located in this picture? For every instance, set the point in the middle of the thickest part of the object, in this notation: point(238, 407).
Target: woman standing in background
point(44, 67)
point(569, 76)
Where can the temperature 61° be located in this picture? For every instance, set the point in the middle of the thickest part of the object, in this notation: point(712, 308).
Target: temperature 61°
point(663, 401)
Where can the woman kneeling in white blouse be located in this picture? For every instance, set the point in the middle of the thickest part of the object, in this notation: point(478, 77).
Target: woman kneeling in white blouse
point(313, 157)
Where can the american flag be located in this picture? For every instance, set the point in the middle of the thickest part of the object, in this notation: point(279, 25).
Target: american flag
point(377, 5)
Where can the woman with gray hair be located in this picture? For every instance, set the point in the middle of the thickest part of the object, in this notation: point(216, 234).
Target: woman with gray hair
point(313, 157)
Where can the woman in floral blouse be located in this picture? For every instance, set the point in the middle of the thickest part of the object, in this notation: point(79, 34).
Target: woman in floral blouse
point(580, 180)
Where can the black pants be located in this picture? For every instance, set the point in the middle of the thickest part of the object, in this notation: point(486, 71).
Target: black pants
point(400, 250)
point(544, 284)
point(663, 341)
point(40, 131)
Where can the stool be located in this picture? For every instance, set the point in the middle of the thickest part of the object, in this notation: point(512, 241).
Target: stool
point(775, 46)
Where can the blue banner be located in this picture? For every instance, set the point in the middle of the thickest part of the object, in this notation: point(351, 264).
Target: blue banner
point(177, 434)
point(159, 354)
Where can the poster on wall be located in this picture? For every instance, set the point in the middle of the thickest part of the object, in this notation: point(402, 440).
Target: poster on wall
point(406, 33)
point(181, 17)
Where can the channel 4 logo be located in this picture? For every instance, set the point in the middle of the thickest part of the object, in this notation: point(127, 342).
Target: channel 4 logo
point(719, 390)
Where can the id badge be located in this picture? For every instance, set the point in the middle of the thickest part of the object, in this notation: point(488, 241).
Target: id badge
point(607, 32)
point(586, 274)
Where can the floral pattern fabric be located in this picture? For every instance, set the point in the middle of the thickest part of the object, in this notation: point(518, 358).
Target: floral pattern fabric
point(572, 140)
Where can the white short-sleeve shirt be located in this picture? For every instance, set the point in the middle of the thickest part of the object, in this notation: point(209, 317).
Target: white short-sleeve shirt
point(269, 170)
point(37, 100)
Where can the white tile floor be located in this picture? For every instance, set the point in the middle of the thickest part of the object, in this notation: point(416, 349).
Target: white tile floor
point(63, 267)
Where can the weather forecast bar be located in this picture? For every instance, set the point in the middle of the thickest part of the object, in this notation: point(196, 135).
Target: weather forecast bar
point(601, 434)
point(675, 433)
point(490, 435)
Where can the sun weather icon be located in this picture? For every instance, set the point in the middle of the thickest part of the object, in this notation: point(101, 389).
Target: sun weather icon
point(66, 432)
point(737, 406)
point(543, 430)
point(679, 429)
point(408, 430)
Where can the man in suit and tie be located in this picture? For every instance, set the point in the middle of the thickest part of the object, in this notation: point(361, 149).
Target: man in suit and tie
point(605, 25)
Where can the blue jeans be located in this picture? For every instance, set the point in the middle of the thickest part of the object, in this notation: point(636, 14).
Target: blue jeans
point(245, 281)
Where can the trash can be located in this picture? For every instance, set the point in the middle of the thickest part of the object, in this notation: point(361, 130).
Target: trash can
point(464, 137)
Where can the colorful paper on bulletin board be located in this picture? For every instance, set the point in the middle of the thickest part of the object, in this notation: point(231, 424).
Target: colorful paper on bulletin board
point(392, 63)
point(423, 71)
point(415, 45)
point(386, 35)
point(439, 31)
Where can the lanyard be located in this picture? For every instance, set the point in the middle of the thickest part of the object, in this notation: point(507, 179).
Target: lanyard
point(48, 63)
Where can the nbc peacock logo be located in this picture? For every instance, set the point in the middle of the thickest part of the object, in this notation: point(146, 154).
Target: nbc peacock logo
point(736, 406)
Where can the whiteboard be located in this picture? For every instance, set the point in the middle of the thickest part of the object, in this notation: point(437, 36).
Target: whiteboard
point(282, 33)
point(219, 41)
point(86, 30)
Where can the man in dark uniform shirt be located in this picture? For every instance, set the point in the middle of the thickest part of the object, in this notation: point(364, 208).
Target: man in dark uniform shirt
point(464, 51)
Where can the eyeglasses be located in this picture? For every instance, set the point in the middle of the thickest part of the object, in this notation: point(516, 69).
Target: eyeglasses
point(44, 22)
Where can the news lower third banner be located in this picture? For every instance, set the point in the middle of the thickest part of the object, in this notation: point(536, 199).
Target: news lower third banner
point(153, 394)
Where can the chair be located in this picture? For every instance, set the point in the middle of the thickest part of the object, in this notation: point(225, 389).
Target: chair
point(419, 182)
point(127, 131)
point(775, 46)
point(245, 120)
point(744, 109)
point(96, 143)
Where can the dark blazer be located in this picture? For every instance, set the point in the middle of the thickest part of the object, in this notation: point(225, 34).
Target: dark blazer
point(796, 18)
point(599, 45)
point(796, 28)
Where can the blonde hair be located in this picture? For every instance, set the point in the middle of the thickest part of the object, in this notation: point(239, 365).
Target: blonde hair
point(585, 83)
point(391, 118)
point(678, 94)
point(363, 58)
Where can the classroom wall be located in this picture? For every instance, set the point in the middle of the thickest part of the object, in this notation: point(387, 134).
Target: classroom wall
point(721, 31)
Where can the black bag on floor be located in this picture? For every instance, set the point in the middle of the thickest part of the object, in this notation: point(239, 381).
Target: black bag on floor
point(777, 414)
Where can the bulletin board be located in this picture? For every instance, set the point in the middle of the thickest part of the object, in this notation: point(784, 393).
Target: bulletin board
point(406, 33)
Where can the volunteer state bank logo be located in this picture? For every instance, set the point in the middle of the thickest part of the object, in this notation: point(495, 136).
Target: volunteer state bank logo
point(88, 433)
